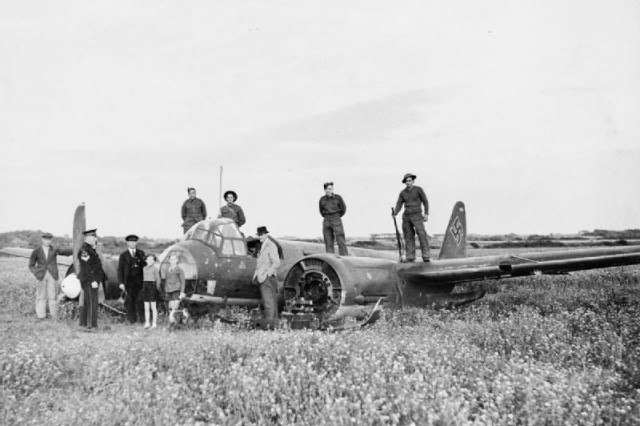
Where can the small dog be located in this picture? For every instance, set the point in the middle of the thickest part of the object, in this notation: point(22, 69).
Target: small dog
point(196, 310)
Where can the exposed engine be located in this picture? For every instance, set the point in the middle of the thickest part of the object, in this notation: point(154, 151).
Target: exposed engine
point(321, 290)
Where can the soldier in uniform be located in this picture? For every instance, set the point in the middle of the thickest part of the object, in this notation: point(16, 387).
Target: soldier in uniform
point(232, 210)
point(193, 210)
point(91, 276)
point(413, 197)
point(332, 208)
point(130, 274)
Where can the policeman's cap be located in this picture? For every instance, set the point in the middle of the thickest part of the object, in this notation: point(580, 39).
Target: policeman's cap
point(407, 176)
point(235, 196)
point(90, 233)
point(132, 237)
point(262, 230)
point(47, 235)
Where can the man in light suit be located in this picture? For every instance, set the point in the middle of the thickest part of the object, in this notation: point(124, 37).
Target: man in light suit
point(43, 264)
point(265, 277)
point(130, 275)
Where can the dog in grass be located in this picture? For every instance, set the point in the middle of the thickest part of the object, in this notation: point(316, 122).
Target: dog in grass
point(192, 310)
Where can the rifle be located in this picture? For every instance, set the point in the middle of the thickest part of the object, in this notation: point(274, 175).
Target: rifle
point(402, 251)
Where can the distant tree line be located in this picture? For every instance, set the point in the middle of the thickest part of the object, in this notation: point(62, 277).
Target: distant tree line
point(107, 244)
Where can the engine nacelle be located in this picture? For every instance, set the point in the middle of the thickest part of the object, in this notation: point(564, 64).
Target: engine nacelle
point(329, 288)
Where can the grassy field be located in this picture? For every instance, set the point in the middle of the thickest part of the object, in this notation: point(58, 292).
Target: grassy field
point(544, 350)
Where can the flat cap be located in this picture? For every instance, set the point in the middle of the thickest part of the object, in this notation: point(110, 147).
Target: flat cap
point(132, 237)
point(90, 232)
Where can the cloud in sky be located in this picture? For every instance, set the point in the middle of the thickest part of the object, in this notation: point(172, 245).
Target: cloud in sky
point(529, 112)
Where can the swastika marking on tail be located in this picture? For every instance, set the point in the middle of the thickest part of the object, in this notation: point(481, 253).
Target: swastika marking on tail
point(457, 231)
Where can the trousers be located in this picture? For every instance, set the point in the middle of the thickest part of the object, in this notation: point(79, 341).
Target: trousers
point(269, 294)
point(46, 292)
point(412, 225)
point(333, 226)
point(89, 311)
point(133, 304)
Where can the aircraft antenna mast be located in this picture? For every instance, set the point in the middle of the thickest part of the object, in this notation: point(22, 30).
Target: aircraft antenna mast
point(220, 190)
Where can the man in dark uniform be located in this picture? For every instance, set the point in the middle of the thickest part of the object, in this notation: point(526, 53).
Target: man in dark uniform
point(332, 208)
point(193, 210)
point(413, 197)
point(232, 210)
point(91, 276)
point(130, 275)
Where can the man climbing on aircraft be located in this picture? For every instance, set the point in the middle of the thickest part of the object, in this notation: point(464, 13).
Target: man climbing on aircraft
point(332, 208)
point(413, 197)
point(193, 210)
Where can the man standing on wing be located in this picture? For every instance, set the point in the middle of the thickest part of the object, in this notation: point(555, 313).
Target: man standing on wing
point(332, 208)
point(193, 210)
point(43, 264)
point(413, 197)
point(131, 275)
point(265, 277)
point(91, 276)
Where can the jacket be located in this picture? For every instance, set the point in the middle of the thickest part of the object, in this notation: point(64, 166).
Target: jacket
point(90, 266)
point(174, 280)
point(39, 264)
point(268, 261)
point(193, 211)
point(130, 268)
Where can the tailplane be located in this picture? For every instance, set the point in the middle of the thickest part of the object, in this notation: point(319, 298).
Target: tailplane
point(454, 245)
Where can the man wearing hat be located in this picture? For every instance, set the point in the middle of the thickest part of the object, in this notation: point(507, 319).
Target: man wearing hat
point(232, 210)
point(413, 197)
point(91, 276)
point(265, 277)
point(130, 274)
point(332, 208)
point(193, 210)
point(43, 264)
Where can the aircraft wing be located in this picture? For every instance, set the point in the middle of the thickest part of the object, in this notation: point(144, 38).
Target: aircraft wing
point(451, 271)
point(23, 252)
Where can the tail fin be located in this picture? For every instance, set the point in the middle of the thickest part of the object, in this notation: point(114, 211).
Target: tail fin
point(455, 237)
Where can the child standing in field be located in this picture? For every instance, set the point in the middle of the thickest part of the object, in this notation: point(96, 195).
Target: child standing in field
point(150, 286)
point(174, 286)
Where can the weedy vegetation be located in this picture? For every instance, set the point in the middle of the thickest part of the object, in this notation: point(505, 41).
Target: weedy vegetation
point(544, 350)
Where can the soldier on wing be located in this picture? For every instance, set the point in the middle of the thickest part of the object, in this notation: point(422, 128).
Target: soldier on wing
point(413, 197)
point(131, 275)
point(193, 210)
point(43, 264)
point(91, 276)
point(332, 208)
point(232, 210)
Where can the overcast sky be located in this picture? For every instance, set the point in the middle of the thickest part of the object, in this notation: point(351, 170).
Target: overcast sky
point(528, 111)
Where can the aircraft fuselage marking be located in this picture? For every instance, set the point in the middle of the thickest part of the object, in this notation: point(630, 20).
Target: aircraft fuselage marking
point(457, 230)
